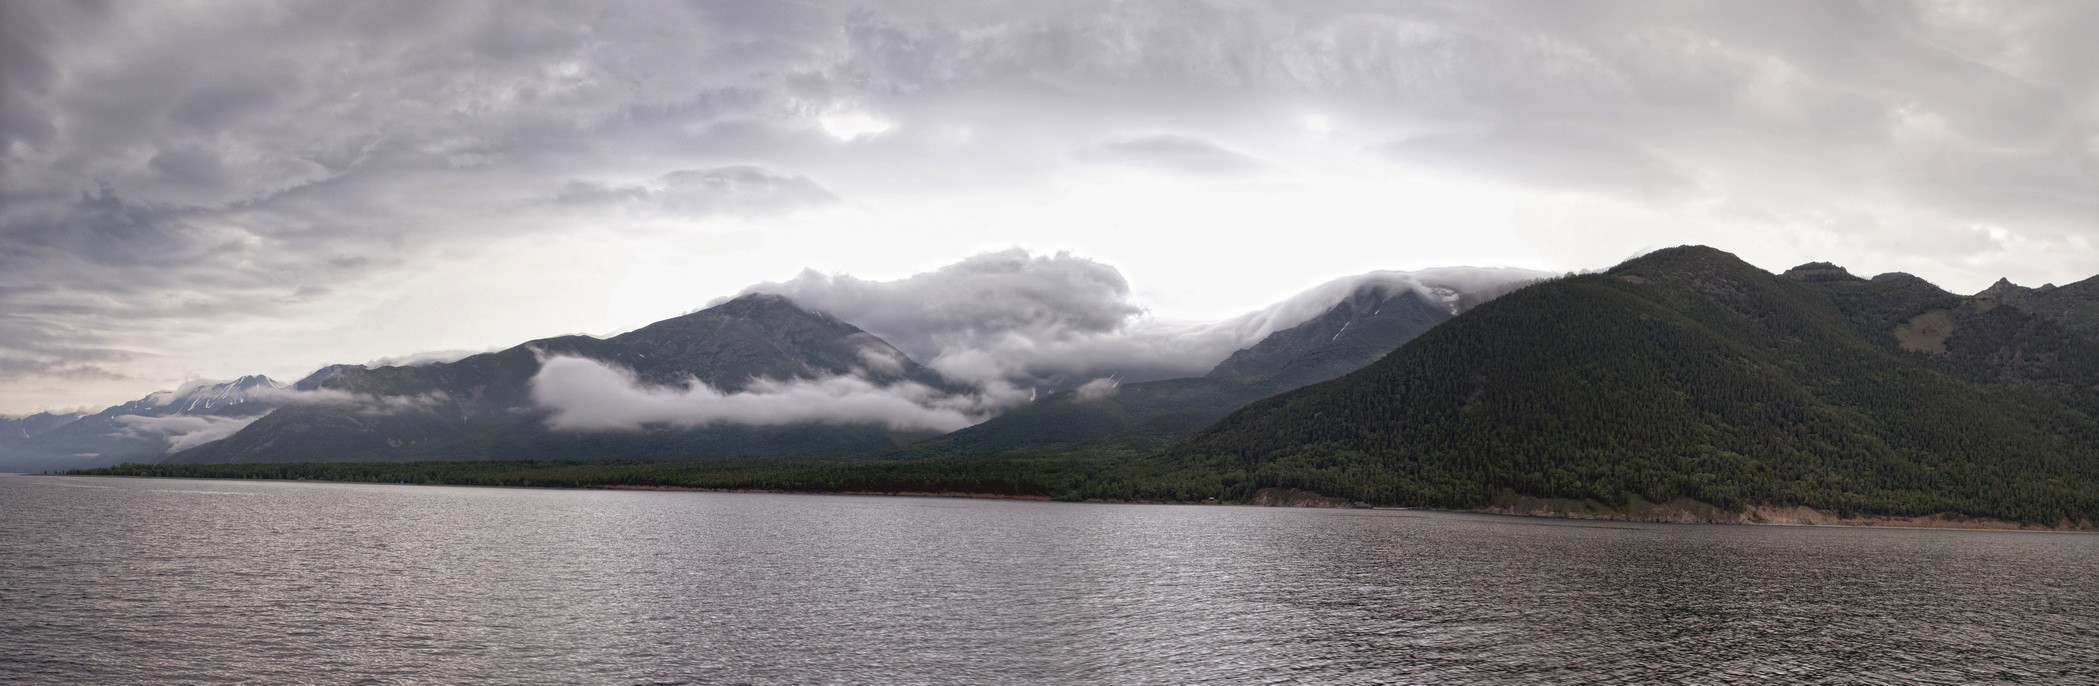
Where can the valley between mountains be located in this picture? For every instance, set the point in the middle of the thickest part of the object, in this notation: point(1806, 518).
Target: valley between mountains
point(1682, 385)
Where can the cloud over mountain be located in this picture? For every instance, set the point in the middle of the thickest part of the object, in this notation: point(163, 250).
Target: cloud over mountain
point(1012, 320)
point(183, 432)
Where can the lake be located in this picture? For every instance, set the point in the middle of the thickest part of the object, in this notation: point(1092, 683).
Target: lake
point(109, 580)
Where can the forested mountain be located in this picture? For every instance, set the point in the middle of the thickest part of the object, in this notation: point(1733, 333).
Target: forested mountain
point(481, 407)
point(1370, 320)
point(143, 430)
point(1689, 374)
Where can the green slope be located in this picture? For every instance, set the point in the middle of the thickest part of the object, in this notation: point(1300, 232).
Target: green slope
point(1690, 374)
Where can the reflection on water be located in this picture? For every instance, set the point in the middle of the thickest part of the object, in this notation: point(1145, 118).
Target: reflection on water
point(213, 581)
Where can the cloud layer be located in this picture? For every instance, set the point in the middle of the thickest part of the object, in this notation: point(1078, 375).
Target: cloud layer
point(183, 432)
point(221, 189)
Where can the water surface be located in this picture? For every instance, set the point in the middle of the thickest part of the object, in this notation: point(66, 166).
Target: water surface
point(109, 580)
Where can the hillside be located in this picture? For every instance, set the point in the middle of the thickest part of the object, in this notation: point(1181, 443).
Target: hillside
point(1689, 375)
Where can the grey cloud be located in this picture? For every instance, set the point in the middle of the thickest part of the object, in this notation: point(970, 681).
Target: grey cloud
point(231, 166)
point(984, 295)
point(1184, 154)
point(735, 189)
point(951, 316)
point(1568, 159)
point(197, 168)
point(13, 367)
point(1781, 102)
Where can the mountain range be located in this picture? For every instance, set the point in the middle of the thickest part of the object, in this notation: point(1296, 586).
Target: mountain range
point(143, 430)
point(482, 407)
point(1685, 382)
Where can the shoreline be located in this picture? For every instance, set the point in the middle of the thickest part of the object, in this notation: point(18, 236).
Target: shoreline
point(1759, 515)
point(1794, 516)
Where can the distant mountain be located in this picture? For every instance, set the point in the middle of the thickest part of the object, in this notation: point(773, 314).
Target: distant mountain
point(144, 430)
point(1377, 313)
point(21, 428)
point(1689, 376)
point(2075, 306)
point(15, 433)
point(481, 407)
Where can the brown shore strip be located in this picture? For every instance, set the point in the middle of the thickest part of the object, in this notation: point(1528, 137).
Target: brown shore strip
point(1796, 515)
point(906, 494)
point(1760, 515)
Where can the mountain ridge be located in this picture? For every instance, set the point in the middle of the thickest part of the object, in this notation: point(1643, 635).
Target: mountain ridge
point(1688, 374)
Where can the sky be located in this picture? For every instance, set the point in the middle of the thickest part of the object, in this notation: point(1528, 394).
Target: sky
point(199, 190)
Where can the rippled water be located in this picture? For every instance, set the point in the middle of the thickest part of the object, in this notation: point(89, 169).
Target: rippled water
point(106, 580)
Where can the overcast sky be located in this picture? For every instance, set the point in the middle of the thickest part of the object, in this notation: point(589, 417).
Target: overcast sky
point(197, 189)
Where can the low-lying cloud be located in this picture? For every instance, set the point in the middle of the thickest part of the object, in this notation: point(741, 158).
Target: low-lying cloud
point(587, 395)
point(1097, 389)
point(360, 403)
point(183, 432)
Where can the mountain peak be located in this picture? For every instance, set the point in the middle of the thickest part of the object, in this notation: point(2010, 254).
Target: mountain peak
point(212, 396)
point(1370, 321)
point(758, 301)
point(1683, 260)
point(1820, 271)
point(313, 381)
